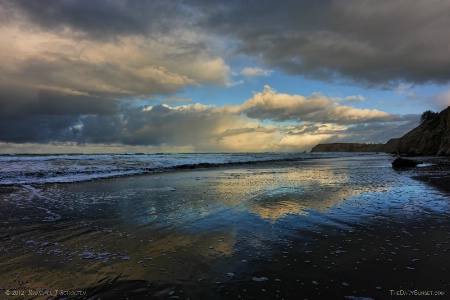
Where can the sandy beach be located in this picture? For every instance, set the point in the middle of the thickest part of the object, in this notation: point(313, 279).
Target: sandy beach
point(342, 228)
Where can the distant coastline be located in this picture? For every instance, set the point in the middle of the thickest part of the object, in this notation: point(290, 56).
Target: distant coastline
point(389, 147)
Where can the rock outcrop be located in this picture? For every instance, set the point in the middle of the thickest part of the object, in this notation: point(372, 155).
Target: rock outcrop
point(405, 163)
point(432, 137)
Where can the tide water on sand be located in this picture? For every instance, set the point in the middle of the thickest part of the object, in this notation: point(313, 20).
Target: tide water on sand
point(324, 228)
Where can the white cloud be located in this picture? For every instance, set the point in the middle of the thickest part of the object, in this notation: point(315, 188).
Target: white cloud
point(129, 65)
point(271, 105)
point(254, 72)
point(350, 99)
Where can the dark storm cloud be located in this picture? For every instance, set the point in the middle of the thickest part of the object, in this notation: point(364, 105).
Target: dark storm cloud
point(36, 128)
point(51, 116)
point(156, 126)
point(372, 42)
point(100, 19)
point(47, 102)
point(54, 119)
point(60, 104)
point(44, 116)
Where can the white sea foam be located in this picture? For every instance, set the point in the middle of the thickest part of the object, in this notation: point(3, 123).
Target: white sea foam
point(41, 169)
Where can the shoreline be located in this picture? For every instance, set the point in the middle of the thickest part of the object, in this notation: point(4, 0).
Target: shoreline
point(438, 181)
point(337, 229)
point(52, 173)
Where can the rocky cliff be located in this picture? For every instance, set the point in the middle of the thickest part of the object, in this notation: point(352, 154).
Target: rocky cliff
point(391, 146)
point(348, 147)
point(432, 137)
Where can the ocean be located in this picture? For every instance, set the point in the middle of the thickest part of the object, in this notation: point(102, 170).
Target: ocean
point(66, 168)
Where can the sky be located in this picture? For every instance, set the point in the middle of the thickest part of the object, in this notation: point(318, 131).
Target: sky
point(217, 76)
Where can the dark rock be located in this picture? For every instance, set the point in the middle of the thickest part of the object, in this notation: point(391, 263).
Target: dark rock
point(405, 163)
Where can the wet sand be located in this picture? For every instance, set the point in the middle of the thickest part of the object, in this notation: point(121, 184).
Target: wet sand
point(437, 173)
point(347, 228)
